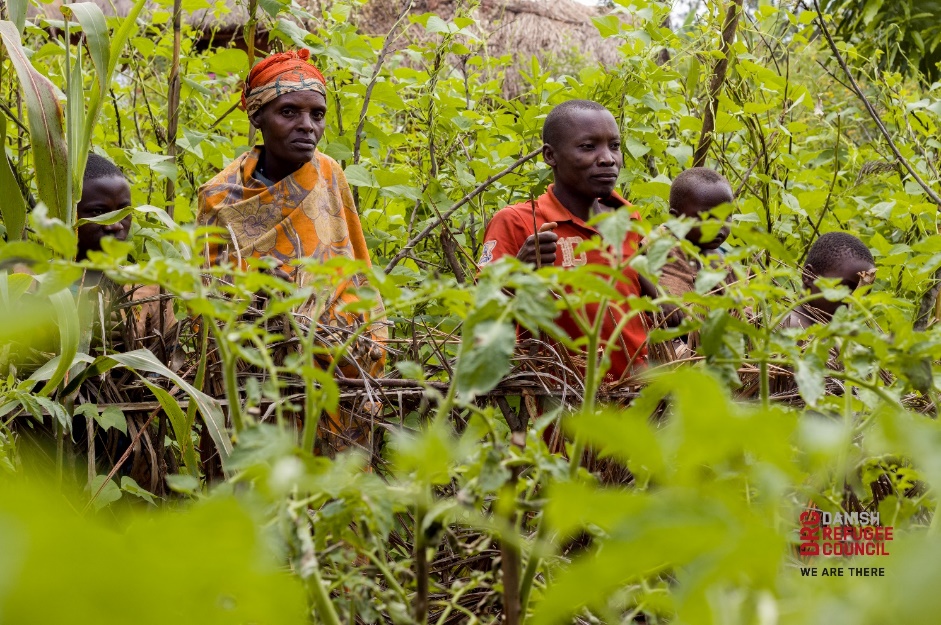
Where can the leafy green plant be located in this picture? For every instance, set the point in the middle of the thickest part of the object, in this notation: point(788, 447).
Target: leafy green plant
point(495, 483)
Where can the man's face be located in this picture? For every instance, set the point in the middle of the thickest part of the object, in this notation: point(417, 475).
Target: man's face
point(99, 197)
point(587, 159)
point(703, 199)
point(847, 271)
point(291, 125)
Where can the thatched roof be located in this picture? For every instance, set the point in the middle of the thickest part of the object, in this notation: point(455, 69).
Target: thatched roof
point(520, 27)
point(559, 29)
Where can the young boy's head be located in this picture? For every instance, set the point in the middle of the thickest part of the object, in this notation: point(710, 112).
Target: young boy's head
point(582, 145)
point(840, 256)
point(104, 190)
point(693, 194)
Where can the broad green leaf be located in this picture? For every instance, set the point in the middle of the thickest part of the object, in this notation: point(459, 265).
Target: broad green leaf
point(45, 127)
point(607, 25)
point(484, 362)
point(13, 208)
point(182, 483)
point(74, 121)
point(56, 410)
point(54, 232)
point(108, 218)
point(108, 495)
point(359, 176)
point(128, 485)
point(809, 376)
point(112, 417)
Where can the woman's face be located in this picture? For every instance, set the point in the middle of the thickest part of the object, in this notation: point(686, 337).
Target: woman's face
point(292, 125)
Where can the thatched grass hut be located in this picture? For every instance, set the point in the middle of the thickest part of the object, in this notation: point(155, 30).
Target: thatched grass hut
point(555, 31)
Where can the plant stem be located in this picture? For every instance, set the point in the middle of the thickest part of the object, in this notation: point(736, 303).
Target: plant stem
point(173, 106)
point(529, 574)
point(421, 570)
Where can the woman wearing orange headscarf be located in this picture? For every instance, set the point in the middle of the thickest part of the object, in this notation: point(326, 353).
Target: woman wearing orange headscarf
point(286, 200)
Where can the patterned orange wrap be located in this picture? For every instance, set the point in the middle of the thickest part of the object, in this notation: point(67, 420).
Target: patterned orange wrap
point(308, 215)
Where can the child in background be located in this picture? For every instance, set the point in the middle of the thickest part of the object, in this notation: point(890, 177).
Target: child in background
point(104, 190)
point(835, 255)
point(694, 193)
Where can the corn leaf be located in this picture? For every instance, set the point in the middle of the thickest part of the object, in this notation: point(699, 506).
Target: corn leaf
point(18, 13)
point(50, 153)
point(92, 21)
point(67, 319)
point(13, 208)
point(182, 428)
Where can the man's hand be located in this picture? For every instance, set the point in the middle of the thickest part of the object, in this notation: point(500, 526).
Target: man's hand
point(541, 246)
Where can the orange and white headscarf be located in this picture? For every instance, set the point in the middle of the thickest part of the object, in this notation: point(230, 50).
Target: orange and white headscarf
point(278, 74)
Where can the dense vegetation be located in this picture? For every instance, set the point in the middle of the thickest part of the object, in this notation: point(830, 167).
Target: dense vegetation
point(464, 514)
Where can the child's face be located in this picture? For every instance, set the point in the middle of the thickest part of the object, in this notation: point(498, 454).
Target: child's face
point(702, 200)
point(101, 196)
point(849, 271)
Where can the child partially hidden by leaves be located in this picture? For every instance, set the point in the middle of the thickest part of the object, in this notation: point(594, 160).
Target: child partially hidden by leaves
point(836, 256)
point(106, 190)
point(694, 195)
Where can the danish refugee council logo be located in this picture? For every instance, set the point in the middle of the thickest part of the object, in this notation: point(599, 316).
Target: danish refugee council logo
point(843, 534)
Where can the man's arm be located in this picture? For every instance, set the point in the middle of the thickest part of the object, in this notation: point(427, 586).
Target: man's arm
point(506, 235)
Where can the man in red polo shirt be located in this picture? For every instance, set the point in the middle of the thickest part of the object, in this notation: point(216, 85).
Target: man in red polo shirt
point(582, 145)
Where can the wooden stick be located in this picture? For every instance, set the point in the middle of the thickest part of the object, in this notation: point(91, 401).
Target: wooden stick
point(464, 200)
point(715, 86)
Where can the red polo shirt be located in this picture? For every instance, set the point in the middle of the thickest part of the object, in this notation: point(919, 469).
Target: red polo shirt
point(510, 228)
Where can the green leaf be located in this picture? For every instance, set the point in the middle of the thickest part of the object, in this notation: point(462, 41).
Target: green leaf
point(13, 208)
point(17, 10)
point(614, 227)
point(182, 483)
point(608, 25)
point(871, 10)
point(484, 363)
point(437, 25)
point(158, 163)
point(359, 176)
point(182, 428)
point(107, 219)
point(69, 335)
point(93, 24)
point(810, 379)
point(919, 374)
point(128, 485)
point(54, 232)
point(45, 127)
point(108, 495)
point(56, 411)
point(112, 417)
